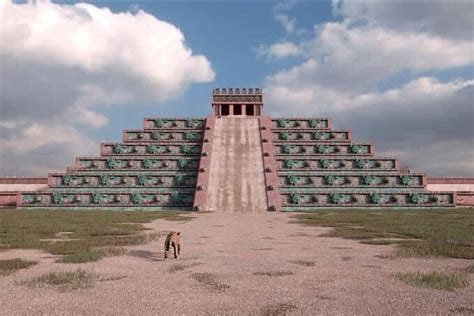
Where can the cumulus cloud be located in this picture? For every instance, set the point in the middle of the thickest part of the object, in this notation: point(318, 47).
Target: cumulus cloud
point(451, 19)
point(425, 122)
point(347, 60)
point(62, 63)
point(279, 50)
point(356, 58)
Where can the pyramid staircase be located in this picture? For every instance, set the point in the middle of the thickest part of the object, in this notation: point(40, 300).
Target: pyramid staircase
point(156, 166)
point(310, 165)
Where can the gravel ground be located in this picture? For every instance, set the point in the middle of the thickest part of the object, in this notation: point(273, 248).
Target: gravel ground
point(240, 264)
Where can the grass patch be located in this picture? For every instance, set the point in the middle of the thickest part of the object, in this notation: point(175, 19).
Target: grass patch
point(279, 309)
point(273, 273)
point(70, 280)
point(470, 269)
point(417, 232)
point(304, 263)
point(9, 266)
point(435, 280)
point(210, 281)
point(91, 234)
point(93, 255)
point(378, 242)
point(81, 257)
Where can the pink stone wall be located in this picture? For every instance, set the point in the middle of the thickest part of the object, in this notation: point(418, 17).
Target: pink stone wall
point(272, 182)
point(23, 180)
point(202, 186)
point(465, 199)
point(8, 198)
point(450, 184)
point(451, 180)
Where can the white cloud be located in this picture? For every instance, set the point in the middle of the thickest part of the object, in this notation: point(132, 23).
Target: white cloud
point(346, 61)
point(451, 19)
point(355, 58)
point(426, 122)
point(279, 50)
point(59, 64)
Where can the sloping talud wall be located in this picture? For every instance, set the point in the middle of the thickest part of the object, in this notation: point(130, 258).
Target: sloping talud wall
point(310, 165)
point(156, 166)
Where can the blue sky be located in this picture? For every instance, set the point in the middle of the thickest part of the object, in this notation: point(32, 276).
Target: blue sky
point(399, 74)
point(228, 33)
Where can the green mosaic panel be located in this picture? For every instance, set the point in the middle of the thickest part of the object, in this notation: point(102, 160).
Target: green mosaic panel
point(160, 123)
point(349, 180)
point(107, 199)
point(125, 180)
point(358, 199)
point(158, 136)
point(147, 163)
point(287, 123)
point(318, 136)
point(322, 149)
point(371, 164)
point(151, 149)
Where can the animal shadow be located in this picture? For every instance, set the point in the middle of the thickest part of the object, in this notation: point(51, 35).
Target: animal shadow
point(146, 254)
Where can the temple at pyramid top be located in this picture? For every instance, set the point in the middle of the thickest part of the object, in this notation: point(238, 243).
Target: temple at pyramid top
point(237, 102)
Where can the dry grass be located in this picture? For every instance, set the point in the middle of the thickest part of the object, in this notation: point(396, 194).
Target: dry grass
point(304, 263)
point(470, 269)
point(278, 309)
point(273, 273)
point(9, 266)
point(210, 281)
point(180, 267)
point(70, 280)
point(417, 232)
point(435, 280)
point(91, 235)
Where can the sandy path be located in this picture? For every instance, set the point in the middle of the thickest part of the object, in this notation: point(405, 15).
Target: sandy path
point(236, 264)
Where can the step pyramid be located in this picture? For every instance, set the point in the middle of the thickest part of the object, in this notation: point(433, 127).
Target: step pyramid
point(237, 155)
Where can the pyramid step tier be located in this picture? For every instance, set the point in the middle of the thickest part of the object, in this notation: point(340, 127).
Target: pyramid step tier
point(125, 180)
point(147, 149)
point(318, 149)
point(331, 163)
point(301, 123)
point(150, 123)
point(311, 136)
point(136, 163)
point(300, 200)
point(165, 136)
point(98, 198)
point(351, 180)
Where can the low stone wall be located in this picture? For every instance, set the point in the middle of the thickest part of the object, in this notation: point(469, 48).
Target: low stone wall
point(465, 199)
point(450, 184)
point(23, 180)
point(8, 198)
point(16, 184)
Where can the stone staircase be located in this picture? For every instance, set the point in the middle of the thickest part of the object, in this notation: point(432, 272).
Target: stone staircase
point(237, 181)
point(156, 166)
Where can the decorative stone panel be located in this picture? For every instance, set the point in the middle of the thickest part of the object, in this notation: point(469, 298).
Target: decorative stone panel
point(323, 149)
point(136, 163)
point(303, 123)
point(123, 180)
point(173, 123)
point(106, 199)
point(149, 149)
point(311, 136)
point(348, 180)
point(293, 201)
point(131, 136)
